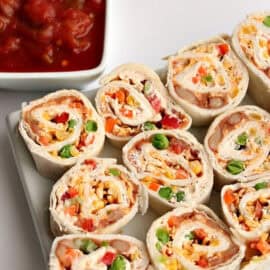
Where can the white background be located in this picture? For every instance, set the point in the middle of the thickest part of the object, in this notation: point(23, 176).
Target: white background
point(141, 31)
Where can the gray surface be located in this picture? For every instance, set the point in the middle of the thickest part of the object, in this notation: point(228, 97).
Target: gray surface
point(140, 30)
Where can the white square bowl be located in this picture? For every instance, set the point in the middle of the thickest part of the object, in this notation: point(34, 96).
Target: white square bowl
point(49, 81)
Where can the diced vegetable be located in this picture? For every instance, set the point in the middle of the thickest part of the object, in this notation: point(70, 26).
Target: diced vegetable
point(266, 21)
point(125, 112)
point(87, 246)
point(87, 224)
point(154, 186)
point(223, 48)
point(258, 140)
point(202, 71)
point(170, 122)
point(91, 126)
point(108, 258)
point(61, 118)
point(65, 151)
point(119, 263)
point(109, 124)
point(261, 185)
point(200, 233)
point(235, 166)
point(71, 210)
point(162, 235)
point(196, 166)
point(173, 221)
point(190, 236)
point(181, 174)
point(166, 193)
point(180, 196)
point(90, 162)
point(114, 172)
point(149, 126)
point(72, 123)
point(195, 79)
point(176, 146)
point(104, 244)
point(160, 141)
point(155, 103)
point(202, 262)
point(120, 96)
point(229, 197)
point(207, 78)
point(147, 87)
point(242, 139)
point(159, 246)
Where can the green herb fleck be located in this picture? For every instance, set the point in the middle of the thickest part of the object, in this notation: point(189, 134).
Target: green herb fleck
point(235, 166)
point(180, 196)
point(65, 151)
point(165, 192)
point(207, 78)
point(242, 139)
point(190, 236)
point(147, 86)
point(266, 21)
point(72, 123)
point(149, 126)
point(162, 235)
point(261, 185)
point(114, 172)
point(87, 246)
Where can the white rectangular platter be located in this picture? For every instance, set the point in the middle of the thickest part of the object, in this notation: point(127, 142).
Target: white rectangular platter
point(37, 188)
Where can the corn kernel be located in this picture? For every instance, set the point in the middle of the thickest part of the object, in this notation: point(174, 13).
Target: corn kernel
point(46, 116)
point(61, 135)
point(172, 264)
point(54, 153)
point(234, 92)
point(169, 174)
point(195, 166)
point(99, 204)
point(74, 151)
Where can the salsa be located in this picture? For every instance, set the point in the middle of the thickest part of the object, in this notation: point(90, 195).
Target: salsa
point(51, 35)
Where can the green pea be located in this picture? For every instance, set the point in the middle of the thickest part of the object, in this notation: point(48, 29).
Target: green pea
point(159, 246)
point(165, 192)
point(266, 21)
point(207, 78)
point(180, 196)
point(149, 126)
point(190, 236)
point(114, 172)
point(242, 139)
point(119, 263)
point(160, 141)
point(235, 166)
point(261, 185)
point(72, 123)
point(162, 235)
point(91, 126)
point(87, 246)
point(65, 151)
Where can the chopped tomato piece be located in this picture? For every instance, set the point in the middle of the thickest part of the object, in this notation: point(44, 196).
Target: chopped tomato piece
point(223, 48)
point(181, 174)
point(202, 262)
point(91, 163)
point(229, 197)
point(44, 140)
point(170, 122)
point(126, 113)
point(110, 123)
point(263, 247)
point(71, 210)
point(108, 258)
point(173, 221)
point(195, 79)
point(61, 118)
point(258, 210)
point(120, 96)
point(87, 224)
point(70, 193)
point(154, 186)
point(202, 71)
point(200, 234)
point(155, 102)
point(177, 146)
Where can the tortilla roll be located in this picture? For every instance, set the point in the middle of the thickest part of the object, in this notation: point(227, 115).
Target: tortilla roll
point(133, 99)
point(246, 209)
point(206, 79)
point(193, 238)
point(96, 195)
point(250, 41)
point(59, 128)
point(172, 165)
point(238, 145)
point(98, 252)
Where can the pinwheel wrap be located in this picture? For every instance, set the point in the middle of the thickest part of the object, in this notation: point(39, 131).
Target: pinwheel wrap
point(98, 252)
point(58, 129)
point(96, 195)
point(172, 165)
point(133, 99)
point(250, 40)
point(246, 209)
point(238, 145)
point(206, 79)
point(193, 238)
